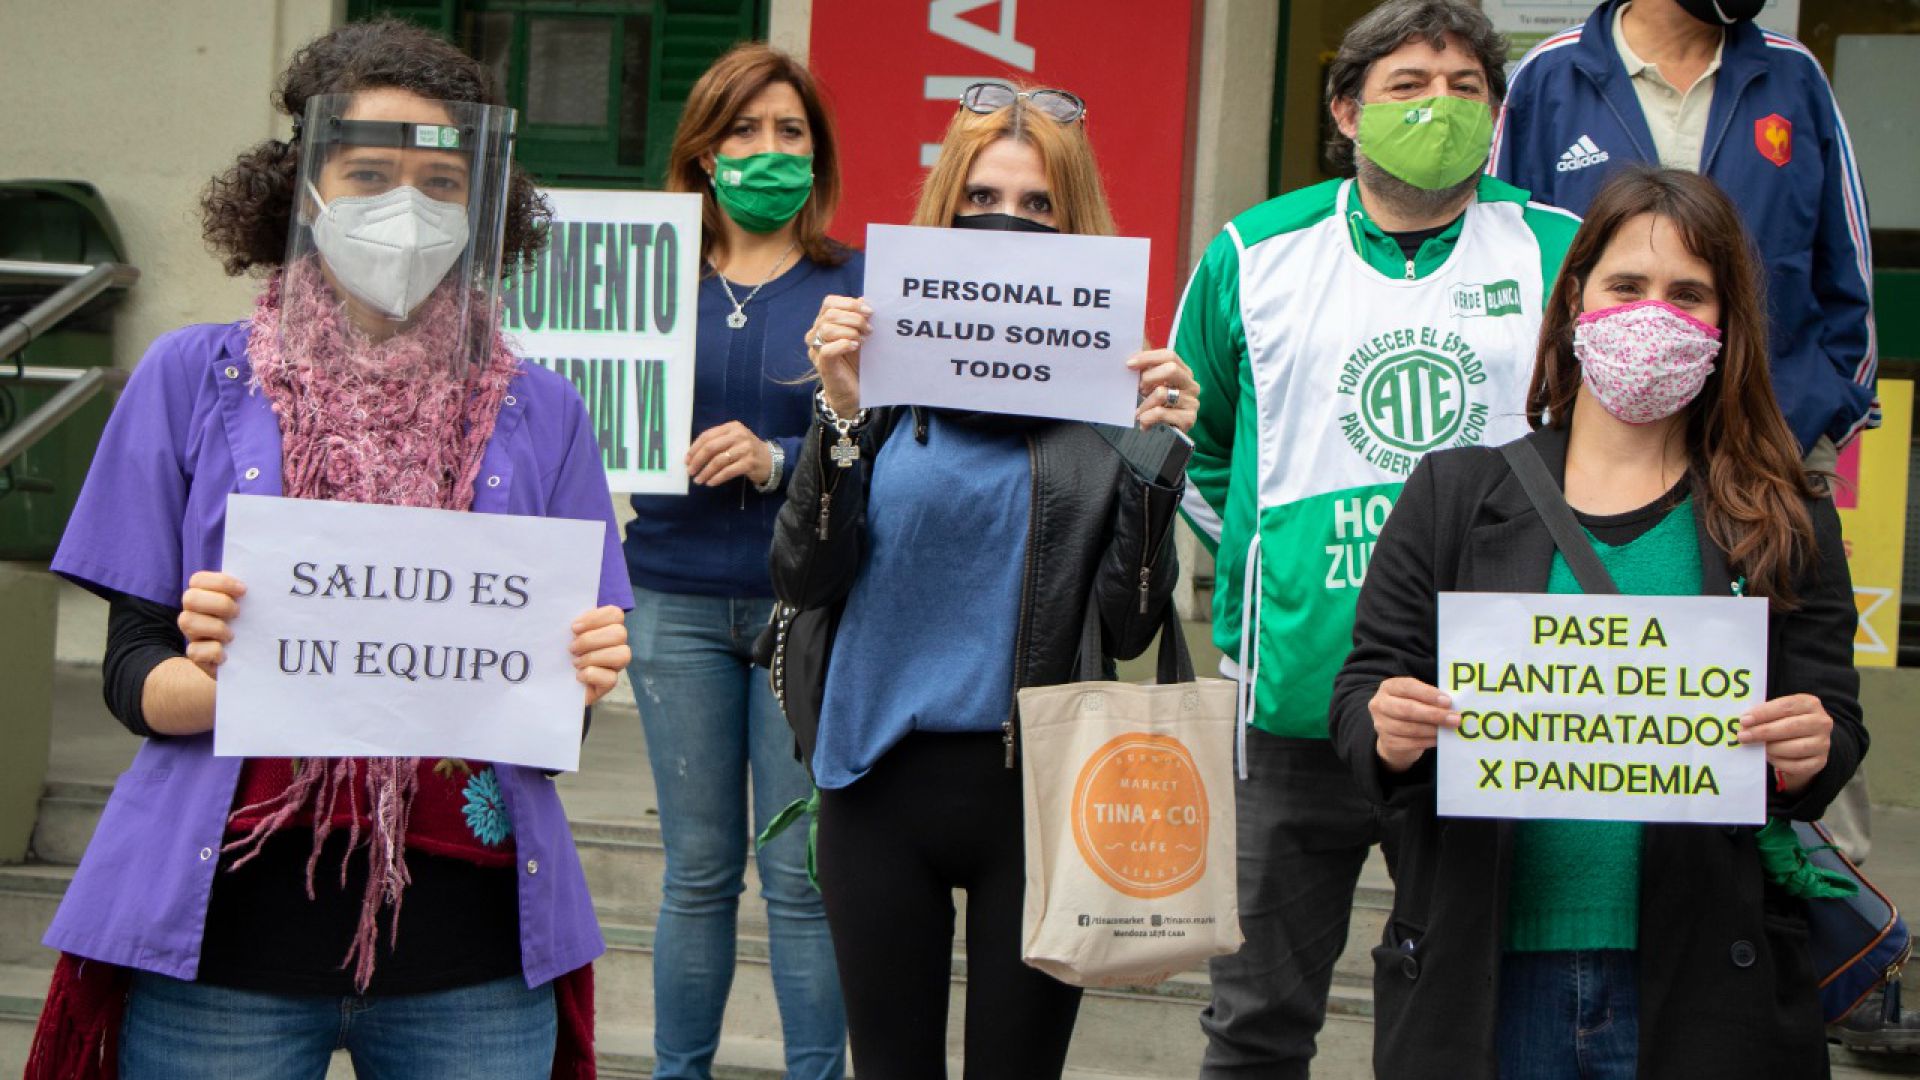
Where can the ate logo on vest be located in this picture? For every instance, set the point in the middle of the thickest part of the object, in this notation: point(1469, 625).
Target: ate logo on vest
point(1412, 392)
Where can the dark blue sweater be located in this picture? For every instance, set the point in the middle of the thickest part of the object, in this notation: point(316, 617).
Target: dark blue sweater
point(714, 541)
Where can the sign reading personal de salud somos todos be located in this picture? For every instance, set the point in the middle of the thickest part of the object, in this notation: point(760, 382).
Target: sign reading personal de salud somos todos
point(610, 303)
point(1617, 708)
point(384, 631)
point(1025, 323)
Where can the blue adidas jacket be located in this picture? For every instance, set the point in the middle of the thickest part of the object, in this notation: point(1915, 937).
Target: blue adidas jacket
point(1775, 142)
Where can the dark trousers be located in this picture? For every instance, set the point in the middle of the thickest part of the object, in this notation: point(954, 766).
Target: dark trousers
point(935, 814)
point(1304, 833)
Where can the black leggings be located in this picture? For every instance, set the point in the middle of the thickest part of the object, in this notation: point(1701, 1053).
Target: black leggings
point(937, 813)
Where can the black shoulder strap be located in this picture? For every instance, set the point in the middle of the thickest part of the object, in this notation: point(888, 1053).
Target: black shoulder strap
point(1552, 506)
point(1175, 662)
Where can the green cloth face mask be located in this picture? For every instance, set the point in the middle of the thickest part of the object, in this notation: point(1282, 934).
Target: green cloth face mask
point(1433, 143)
point(762, 192)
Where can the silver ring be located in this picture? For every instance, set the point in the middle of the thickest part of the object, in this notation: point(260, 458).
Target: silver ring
point(816, 342)
point(1173, 396)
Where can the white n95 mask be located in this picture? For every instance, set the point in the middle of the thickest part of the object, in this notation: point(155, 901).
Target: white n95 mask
point(390, 250)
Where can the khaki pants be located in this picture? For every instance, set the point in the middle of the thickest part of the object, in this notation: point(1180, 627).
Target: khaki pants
point(1850, 817)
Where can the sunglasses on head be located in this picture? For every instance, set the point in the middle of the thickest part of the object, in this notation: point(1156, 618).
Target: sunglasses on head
point(1057, 105)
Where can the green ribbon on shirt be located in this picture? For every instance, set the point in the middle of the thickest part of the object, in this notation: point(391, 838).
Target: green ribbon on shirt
point(1785, 863)
point(785, 818)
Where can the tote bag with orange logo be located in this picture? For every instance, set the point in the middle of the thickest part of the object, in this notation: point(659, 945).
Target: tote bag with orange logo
point(1129, 821)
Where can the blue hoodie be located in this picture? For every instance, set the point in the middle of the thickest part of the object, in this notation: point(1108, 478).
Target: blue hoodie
point(1572, 117)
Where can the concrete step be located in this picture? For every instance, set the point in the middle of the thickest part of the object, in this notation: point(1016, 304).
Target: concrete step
point(625, 865)
point(1146, 1032)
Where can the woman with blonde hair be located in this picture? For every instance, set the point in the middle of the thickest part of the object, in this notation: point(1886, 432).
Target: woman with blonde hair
point(756, 141)
point(957, 558)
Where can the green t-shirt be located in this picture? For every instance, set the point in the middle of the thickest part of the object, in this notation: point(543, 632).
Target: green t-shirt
point(1576, 884)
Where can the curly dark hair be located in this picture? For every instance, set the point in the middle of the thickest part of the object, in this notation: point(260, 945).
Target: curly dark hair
point(247, 210)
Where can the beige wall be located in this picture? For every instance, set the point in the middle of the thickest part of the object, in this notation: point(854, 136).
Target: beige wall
point(788, 23)
point(146, 100)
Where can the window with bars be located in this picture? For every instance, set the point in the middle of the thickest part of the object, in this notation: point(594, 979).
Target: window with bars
point(599, 83)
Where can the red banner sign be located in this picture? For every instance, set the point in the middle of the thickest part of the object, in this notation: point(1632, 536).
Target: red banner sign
point(894, 70)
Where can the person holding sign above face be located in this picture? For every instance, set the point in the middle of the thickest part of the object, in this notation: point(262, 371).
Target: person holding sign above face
point(757, 142)
point(938, 561)
point(1550, 948)
point(245, 916)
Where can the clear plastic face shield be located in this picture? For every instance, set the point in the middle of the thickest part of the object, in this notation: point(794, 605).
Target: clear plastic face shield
point(394, 258)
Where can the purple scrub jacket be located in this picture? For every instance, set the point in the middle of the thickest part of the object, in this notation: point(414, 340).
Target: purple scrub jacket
point(187, 432)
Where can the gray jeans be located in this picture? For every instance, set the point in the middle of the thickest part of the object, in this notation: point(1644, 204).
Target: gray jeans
point(1304, 833)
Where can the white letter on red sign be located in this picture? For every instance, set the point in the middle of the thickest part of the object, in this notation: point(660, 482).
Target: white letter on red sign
point(943, 18)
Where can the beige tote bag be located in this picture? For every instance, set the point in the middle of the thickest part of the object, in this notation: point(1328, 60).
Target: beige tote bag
point(1129, 821)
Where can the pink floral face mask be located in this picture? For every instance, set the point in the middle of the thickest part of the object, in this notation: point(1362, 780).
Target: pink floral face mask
point(1646, 360)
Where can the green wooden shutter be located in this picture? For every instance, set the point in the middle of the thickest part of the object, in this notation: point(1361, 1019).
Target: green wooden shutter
point(689, 35)
point(436, 15)
point(658, 49)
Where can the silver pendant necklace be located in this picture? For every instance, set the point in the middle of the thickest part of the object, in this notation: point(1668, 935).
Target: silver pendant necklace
point(738, 318)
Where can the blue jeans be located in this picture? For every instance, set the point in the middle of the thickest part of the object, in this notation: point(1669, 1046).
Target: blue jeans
point(178, 1030)
point(1569, 1015)
point(714, 735)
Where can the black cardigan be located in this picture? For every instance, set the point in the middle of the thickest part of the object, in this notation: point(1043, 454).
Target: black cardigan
point(1726, 983)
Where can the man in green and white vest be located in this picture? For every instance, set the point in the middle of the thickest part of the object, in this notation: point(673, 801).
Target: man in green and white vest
point(1339, 333)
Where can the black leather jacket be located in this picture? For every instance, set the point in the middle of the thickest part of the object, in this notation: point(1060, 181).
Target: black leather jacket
point(1096, 529)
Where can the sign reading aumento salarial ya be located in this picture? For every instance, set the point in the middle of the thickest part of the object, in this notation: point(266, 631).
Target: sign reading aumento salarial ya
point(610, 304)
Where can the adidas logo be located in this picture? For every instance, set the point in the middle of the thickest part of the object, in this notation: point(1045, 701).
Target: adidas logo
point(1580, 155)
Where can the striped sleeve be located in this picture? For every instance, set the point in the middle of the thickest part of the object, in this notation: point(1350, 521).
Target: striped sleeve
point(1843, 252)
point(1506, 160)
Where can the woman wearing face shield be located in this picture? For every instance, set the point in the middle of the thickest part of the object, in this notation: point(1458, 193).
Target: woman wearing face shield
point(247, 917)
point(961, 552)
point(757, 143)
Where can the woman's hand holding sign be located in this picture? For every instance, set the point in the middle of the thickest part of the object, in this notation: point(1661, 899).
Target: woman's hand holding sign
point(1407, 717)
point(1169, 394)
point(834, 347)
point(600, 651)
point(207, 609)
point(1797, 733)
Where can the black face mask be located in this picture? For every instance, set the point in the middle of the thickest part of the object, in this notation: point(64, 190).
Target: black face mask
point(1002, 222)
point(1723, 12)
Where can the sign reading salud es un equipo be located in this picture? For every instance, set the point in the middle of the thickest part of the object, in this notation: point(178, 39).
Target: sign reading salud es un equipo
point(1621, 708)
point(610, 303)
point(387, 631)
point(1031, 324)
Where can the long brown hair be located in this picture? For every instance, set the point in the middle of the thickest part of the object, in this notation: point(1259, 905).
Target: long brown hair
point(1749, 482)
point(713, 103)
point(1073, 179)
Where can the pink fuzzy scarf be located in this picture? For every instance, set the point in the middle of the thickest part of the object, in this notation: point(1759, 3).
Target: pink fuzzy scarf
point(400, 422)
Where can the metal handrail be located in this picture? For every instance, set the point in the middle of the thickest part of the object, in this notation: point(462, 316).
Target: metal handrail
point(83, 284)
point(68, 299)
point(35, 272)
point(86, 383)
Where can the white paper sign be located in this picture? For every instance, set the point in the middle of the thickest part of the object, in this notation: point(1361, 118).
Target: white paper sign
point(611, 305)
point(383, 631)
point(1605, 708)
point(1007, 322)
point(1528, 22)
